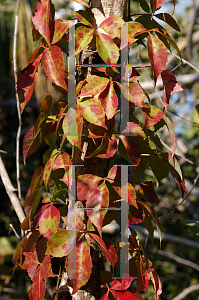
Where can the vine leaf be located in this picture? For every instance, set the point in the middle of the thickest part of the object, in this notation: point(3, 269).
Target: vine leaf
point(94, 85)
point(132, 149)
point(109, 100)
point(83, 2)
point(169, 20)
point(107, 248)
point(37, 291)
point(49, 220)
point(97, 206)
point(86, 184)
point(157, 55)
point(41, 18)
point(61, 243)
point(26, 82)
point(171, 132)
point(83, 265)
point(152, 116)
point(146, 191)
point(157, 4)
point(46, 104)
point(170, 85)
point(136, 214)
point(112, 26)
point(60, 26)
point(134, 93)
point(134, 28)
point(84, 36)
point(31, 142)
point(53, 65)
point(48, 167)
point(92, 111)
point(156, 283)
point(63, 161)
point(106, 48)
point(84, 17)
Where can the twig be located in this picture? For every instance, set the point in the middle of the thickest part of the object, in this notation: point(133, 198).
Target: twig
point(179, 259)
point(12, 227)
point(10, 191)
point(17, 98)
point(187, 291)
point(184, 60)
point(182, 117)
point(195, 181)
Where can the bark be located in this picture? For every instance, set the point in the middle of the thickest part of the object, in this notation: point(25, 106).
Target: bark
point(101, 10)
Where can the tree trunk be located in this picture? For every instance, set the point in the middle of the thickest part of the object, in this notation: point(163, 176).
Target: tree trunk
point(101, 10)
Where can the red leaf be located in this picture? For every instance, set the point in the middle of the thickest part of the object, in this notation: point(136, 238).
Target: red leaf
point(97, 206)
point(84, 36)
point(49, 166)
point(18, 252)
point(152, 116)
point(147, 192)
point(107, 248)
point(31, 263)
point(37, 291)
point(114, 173)
point(94, 85)
point(169, 20)
point(158, 4)
point(31, 143)
point(83, 265)
point(105, 297)
point(134, 93)
point(86, 184)
point(53, 65)
point(132, 149)
point(92, 111)
point(112, 26)
point(124, 295)
point(46, 269)
point(154, 217)
point(26, 82)
point(134, 28)
point(134, 129)
point(121, 284)
point(136, 215)
point(170, 85)
point(109, 100)
point(41, 18)
point(63, 161)
point(49, 221)
point(60, 29)
point(109, 149)
point(156, 284)
point(157, 55)
point(83, 2)
point(107, 49)
point(129, 193)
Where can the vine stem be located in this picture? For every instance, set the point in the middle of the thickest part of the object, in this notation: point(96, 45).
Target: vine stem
point(17, 98)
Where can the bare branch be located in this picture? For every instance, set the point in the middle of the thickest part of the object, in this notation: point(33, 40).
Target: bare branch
point(18, 102)
point(179, 259)
point(187, 291)
point(10, 191)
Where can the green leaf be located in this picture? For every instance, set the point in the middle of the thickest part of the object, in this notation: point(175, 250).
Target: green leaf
point(194, 226)
point(196, 114)
point(84, 17)
point(159, 167)
point(46, 104)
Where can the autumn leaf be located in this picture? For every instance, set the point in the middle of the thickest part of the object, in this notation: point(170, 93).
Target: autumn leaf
point(84, 36)
point(94, 85)
point(31, 142)
point(85, 17)
point(92, 111)
point(152, 116)
point(83, 2)
point(134, 93)
point(83, 265)
point(132, 149)
point(60, 27)
point(97, 206)
point(134, 28)
point(37, 291)
point(26, 82)
point(107, 248)
point(46, 104)
point(53, 65)
point(157, 55)
point(49, 221)
point(170, 85)
point(41, 18)
point(109, 100)
point(147, 192)
point(112, 26)
point(106, 48)
point(86, 184)
point(49, 166)
point(157, 4)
